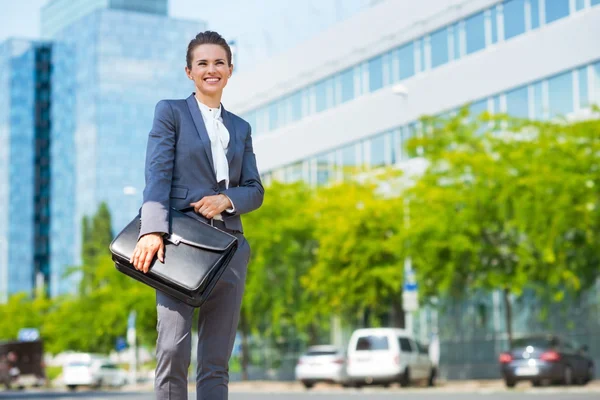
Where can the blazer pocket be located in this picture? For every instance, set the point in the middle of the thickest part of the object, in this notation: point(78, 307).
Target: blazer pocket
point(179, 192)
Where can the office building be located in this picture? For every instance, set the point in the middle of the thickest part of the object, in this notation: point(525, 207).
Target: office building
point(25, 69)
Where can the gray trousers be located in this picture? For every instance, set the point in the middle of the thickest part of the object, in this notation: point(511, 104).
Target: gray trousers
point(217, 324)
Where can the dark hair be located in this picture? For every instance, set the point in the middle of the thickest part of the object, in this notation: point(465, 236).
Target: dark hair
point(207, 37)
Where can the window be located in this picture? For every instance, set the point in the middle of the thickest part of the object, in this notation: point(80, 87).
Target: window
point(475, 32)
point(321, 95)
point(538, 104)
point(296, 104)
point(378, 151)
point(595, 2)
point(514, 18)
point(457, 42)
point(583, 87)
point(404, 345)
point(273, 116)
point(375, 74)
point(347, 82)
point(406, 61)
point(596, 83)
point(556, 9)
point(517, 103)
point(422, 348)
point(366, 343)
point(560, 94)
point(579, 4)
point(439, 47)
point(534, 6)
point(324, 169)
point(494, 24)
point(478, 107)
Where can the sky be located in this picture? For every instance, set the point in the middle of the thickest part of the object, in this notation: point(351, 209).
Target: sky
point(261, 28)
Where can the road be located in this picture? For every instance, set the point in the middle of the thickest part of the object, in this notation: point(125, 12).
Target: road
point(370, 394)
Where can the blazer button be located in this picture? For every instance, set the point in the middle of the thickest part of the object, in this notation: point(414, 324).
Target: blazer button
point(215, 188)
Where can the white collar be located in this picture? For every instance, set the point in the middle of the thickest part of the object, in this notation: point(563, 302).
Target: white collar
point(213, 112)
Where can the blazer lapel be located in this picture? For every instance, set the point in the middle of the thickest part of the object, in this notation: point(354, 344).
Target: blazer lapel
point(201, 128)
point(228, 122)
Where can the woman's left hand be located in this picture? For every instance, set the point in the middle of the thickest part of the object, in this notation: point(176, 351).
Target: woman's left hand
point(210, 206)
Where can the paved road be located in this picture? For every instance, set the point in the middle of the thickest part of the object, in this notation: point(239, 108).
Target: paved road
point(539, 394)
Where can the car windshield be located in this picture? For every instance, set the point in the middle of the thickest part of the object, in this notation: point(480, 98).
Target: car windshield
point(78, 364)
point(372, 342)
point(535, 341)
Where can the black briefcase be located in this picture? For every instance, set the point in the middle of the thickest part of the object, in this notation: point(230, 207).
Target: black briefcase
point(196, 255)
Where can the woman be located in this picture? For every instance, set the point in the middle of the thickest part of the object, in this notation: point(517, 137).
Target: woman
point(201, 155)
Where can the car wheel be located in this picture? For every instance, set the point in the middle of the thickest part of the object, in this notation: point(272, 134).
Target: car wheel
point(567, 376)
point(511, 383)
point(72, 388)
point(405, 378)
point(308, 384)
point(432, 377)
point(589, 376)
point(536, 383)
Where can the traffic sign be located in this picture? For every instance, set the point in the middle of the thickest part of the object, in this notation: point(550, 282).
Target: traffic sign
point(410, 301)
point(121, 344)
point(28, 334)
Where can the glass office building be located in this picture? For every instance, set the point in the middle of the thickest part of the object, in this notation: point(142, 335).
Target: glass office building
point(111, 67)
point(24, 165)
point(329, 103)
point(58, 14)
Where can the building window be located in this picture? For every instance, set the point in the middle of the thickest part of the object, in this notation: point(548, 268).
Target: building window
point(439, 47)
point(579, 4)
point(347, 82)
point(321, 95)
point(538, 103)
point(478, 107)
point(457, 42)
point(494, 25)
point(273, 116)
point(560, 94)
point(406, 61)
point(534, 10)
point(475, 32)
point(582, 78)
point(595, 2)
point(517, 102)
point(378, 151)
point(514, 18)
point(296, 104)
point(596, 83)
point(375, 74)
point(556, 9)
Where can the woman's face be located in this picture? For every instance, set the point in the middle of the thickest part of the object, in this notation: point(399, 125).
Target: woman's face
point(210, 70)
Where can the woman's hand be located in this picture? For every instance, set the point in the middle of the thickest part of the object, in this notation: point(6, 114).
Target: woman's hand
point(145, 250)
point(210, 206)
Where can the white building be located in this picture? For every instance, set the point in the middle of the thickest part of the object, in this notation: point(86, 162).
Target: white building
point(329, 102)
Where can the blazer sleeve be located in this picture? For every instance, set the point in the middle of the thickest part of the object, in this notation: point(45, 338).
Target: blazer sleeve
point(249, 194)
point(160, 155)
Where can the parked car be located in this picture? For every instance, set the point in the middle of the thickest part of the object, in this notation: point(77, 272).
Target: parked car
point(94, 371)
point(546, 358)
point(387, 355)
point(323, 363)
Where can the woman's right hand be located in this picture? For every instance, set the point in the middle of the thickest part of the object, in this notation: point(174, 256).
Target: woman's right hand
point(145, 249)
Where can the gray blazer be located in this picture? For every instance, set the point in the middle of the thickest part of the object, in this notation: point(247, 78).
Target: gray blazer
point(179, 166)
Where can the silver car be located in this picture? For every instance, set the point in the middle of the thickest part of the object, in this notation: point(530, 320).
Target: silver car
point(323, 363)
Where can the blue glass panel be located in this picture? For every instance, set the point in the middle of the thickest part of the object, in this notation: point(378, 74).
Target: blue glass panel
point(378, 151)
point(579, 4)
point(514, 18)
point(321, 95)
point(375, 73)
point(296, 100)
point(538, 102)
point(475, 32)
point(517, 103)
point(560, 94)
point(556, 9)
point(457, 41)
point(423, 52)
point(535, 13)
point(583, 87)
point(494, 23)
point(347, 81)
point(596, 81)
point(273, 115)
point(324, 169)
point(406, 57)
point(595, 2)
point(478, 107)
point(439, 47)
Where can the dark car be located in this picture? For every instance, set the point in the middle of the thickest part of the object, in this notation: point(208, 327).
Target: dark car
point(546, 359)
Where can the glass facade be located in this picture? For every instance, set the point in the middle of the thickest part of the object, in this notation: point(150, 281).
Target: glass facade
point(17, 174)
point(106, 83)
point(472, 34)
point(546, 98)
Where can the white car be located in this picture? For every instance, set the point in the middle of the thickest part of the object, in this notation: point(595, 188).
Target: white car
point(94, 371)
point(321, 364)
point(387, 355)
